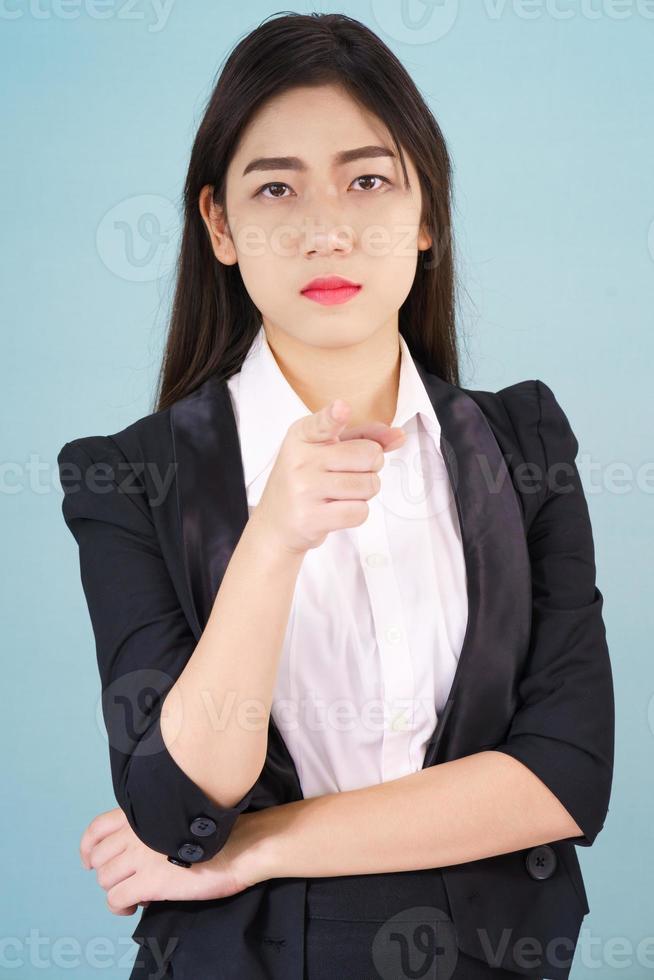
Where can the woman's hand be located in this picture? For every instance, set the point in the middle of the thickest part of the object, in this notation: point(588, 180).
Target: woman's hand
point(323, 476)
point(132, 874)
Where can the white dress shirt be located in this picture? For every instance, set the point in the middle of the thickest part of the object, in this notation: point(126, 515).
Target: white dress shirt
point(379, 611)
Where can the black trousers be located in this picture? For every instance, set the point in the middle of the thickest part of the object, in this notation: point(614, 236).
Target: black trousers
point(395, 926)
point(386, 927)
point(146, 967)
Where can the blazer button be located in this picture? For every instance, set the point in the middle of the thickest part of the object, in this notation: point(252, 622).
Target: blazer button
point(203, 827)
point(191, 852)
point(541, 861)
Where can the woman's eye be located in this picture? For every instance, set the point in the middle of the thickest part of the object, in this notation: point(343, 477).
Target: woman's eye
point(276, 185)
point(273, 184)
point(371, 177)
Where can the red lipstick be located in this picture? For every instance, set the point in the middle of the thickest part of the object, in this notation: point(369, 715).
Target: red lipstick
point(330, 290)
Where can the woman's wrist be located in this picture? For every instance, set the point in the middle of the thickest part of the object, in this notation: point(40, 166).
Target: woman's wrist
point(270, 541)
point(253, 848)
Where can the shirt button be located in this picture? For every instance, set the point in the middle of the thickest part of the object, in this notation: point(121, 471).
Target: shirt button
point(399, 721)
point(393, 634)
point(375, 560)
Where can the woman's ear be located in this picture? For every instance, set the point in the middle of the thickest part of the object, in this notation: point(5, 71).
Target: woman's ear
point(216, 224)
point(424, 239)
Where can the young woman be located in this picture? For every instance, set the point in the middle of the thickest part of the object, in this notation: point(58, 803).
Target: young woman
point(354, 668)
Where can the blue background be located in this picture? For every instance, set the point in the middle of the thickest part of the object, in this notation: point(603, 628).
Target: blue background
point(547, 109)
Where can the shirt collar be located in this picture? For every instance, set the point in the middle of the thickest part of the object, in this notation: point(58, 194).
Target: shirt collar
point(268, 405)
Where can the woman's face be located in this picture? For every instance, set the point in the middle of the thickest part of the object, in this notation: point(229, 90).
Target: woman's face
point(289, 221)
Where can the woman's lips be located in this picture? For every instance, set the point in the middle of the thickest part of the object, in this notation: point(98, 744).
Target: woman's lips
point(330, 297)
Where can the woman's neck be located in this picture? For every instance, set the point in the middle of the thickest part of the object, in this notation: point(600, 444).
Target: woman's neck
point(365, 374)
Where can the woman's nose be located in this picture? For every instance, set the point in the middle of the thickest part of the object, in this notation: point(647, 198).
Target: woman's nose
point(324, 226)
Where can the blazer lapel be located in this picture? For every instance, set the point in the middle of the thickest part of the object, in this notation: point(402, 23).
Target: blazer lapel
point(213, 512)
point(482, 698)
point(211, 493)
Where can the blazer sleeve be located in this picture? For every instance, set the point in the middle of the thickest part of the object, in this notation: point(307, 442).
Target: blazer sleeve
point(143, 641)
point(563, 729)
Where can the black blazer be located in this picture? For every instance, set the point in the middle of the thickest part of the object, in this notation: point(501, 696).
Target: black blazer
point(157, 509)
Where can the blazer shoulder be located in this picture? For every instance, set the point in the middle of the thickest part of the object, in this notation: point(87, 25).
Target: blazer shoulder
point(539, 419)
point(534, 413)
point(147, 438)
point(119, 476)
point(514, 415)
point(531, 427)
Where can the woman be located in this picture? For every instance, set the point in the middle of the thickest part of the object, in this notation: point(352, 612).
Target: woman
point(317, 514)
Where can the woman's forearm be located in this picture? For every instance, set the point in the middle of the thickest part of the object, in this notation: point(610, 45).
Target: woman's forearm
point(479, 806)
point(215, 717)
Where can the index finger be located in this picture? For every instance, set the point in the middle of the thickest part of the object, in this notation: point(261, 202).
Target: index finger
point(388, 437)
point(325, 424)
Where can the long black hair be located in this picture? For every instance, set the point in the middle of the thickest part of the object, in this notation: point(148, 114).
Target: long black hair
point(213, 319)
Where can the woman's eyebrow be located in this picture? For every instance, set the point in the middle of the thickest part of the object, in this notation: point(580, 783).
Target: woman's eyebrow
point(295, 163)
